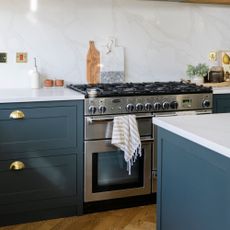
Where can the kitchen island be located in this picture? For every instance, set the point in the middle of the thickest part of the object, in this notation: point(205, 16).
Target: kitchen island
point(193, 172)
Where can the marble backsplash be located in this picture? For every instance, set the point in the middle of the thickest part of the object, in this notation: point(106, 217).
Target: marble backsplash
point(160, 38)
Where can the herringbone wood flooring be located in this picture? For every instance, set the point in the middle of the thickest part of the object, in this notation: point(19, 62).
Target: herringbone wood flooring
point(137, 218)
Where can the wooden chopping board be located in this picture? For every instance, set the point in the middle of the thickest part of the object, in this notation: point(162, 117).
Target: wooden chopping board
point(222, 84)
point(93, 64)
point(112, 63)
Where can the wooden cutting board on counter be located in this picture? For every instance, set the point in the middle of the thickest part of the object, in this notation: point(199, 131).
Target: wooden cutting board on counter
point(112, 63)
point(222, 84)
point(93, 64)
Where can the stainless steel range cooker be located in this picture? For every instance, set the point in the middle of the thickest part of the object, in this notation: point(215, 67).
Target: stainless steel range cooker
point(105, 173)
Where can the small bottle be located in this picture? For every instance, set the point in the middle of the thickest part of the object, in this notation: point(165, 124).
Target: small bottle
point(35, 78)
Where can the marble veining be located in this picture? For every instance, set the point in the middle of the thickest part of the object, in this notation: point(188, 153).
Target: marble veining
point(160, 38)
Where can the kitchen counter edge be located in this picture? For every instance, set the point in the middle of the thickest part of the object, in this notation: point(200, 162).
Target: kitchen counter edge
point(206, 130)
point(221, 90)
point(43, 94)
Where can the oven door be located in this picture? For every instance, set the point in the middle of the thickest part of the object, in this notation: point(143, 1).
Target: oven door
point(106, 175)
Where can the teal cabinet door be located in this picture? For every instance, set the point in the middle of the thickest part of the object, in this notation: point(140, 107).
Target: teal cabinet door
point(221, 103)
point(39, 179)
point(47, 128)
point(40, 129)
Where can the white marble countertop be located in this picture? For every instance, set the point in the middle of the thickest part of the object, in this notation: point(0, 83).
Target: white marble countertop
point(221, 90)
point(43, 94)
point(211, 131)
point(56, 93)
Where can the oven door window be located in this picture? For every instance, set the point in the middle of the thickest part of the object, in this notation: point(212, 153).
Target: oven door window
point(109, 171)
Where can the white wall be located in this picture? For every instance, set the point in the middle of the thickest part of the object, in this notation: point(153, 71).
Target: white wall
point(160, 38)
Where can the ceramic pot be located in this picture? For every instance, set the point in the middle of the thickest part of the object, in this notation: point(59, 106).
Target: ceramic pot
point(59, 83)
point(197, 80)
point(48, 83)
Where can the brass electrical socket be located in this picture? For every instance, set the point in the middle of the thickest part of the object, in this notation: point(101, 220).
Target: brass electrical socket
point(21, 57)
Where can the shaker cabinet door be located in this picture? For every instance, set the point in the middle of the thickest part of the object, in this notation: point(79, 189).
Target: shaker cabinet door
point(34, 179)
point(221, 103)
point(36, 129)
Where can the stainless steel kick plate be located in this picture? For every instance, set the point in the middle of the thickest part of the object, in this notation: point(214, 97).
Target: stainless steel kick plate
point(3, 57)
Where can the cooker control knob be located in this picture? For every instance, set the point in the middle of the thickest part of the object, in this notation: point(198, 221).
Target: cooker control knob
point(157, 106)
point(206, 103)
point(139, 107)
point(130, 107)
point(165, 105)
point(148, 106)
point(92, 109)
point(102, 109)
point(174, 104)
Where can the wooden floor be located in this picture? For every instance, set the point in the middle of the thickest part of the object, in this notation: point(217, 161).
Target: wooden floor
point(137, 218)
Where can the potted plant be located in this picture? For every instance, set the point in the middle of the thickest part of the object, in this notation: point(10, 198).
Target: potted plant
point(197, 73)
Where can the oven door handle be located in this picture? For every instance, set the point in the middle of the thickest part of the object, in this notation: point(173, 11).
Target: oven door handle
point(165, 114)
point(145, 140)
point(90, 120)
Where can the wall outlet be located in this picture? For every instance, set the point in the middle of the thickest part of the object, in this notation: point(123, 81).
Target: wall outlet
point(21, 57)
point(3, 57)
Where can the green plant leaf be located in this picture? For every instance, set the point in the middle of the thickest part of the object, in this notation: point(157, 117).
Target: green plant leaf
point(200, 70)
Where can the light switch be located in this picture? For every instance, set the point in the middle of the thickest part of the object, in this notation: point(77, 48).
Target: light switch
point(3, 57)
point(21, 57)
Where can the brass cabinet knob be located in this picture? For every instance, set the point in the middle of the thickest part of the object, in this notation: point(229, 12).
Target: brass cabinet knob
point(17, 165)
point(17, 114)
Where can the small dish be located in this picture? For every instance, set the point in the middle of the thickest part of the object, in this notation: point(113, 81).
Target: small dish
point(92, 92)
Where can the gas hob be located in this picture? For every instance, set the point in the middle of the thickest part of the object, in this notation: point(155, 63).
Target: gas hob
point(136, 89)
point(153, 97)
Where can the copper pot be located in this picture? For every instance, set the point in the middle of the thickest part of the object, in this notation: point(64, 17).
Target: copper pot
point(48, 83)
point(59, 83)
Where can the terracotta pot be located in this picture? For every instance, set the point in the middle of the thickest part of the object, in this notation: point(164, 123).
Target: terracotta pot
point(48, 83)
point(59, 83)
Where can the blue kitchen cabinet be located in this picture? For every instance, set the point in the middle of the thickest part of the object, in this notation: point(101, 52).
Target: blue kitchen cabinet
point(41, 160)
point(221, 103)
point(193, 185)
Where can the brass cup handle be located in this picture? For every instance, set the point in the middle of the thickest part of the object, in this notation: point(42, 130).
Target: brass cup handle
point(17, 165)
point(17, 114)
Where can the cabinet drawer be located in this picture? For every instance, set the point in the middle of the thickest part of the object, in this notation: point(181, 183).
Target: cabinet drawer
point(42, 178)
point(41, 129)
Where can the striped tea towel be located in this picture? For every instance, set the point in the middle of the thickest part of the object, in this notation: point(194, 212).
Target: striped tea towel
point(126, 137)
